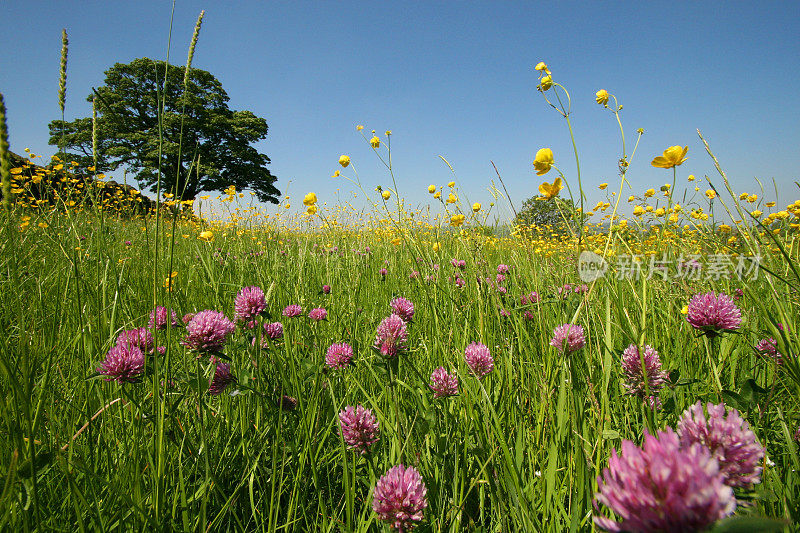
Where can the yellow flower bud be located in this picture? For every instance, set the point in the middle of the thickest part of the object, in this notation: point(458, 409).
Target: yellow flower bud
point(601, 97)
point(543, 161)
point(431, 189)
point(476, 207)
point(344, 160)
point(386, 195)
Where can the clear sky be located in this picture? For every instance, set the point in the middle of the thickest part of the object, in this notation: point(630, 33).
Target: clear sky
point(448, 78)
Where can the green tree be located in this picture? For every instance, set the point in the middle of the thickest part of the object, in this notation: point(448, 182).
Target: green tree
point(205, 146)
point(556, 213)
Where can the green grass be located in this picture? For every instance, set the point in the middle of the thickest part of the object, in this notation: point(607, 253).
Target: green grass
point(519, 450)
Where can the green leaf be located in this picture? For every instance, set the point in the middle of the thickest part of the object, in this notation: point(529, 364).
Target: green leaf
point(749, 524)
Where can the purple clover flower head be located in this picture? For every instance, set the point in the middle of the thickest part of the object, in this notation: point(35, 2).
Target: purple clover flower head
point(531, 298)
point(359, 428)
point(662, 486)
point(383, 272)
point(443, 384)
point(634, 373)
point(128, 243)
point(273, 331)
point(769, 348)
point(414, 274)
point(123, 363)
point(159, 320)
point(505, 313)
point(391, 336)
point(568, 338)
point(713, 314)
point(403, 308)
point(530, 316)
point(729, 439)
point(221, 379)
point(503, 269)
point(291, 311)
point(142, 338)
point(738, 294)
point(399, 498)
point(499, 278)
point(208, 331)
point(460, 282)
point(318, 313)
point(479, 359)
point(326, 289)
point(250, 303)
point(565, 290)
point(339, 355)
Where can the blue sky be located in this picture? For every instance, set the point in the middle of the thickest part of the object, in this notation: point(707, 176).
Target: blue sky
point(448, 78)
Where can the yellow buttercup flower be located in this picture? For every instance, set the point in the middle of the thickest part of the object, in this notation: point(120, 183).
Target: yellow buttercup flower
point(476, 207)
point(310, 199)
point(436, 246)
point(550, 191)
point(451, 184)
point(206, 236)
point(631, 198)
point(336, 174)
point(457, 220)
point(375, 142)
point(673, 156)
point(602, 186)
point(752, 198)
point(543, 161)
point(312, 210)
point(660, 212)
point(359, 127)
point(756, 213)
point(451, 198)
point(386, 195)
point(685, 310)
point(724, 228)
point(545, 83)
point(711, 193)
point(541, 66)
point(638, 210)
point(437, 194)
point(770, 204)
point(344, 160)
point(649, 192)
point(431, 189)
point(691, 177)
point(601, 97)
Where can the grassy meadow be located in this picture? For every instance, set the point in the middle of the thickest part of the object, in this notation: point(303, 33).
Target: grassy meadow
point(245, 433)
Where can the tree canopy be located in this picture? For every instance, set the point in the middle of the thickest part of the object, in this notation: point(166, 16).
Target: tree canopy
point(205, 145)
point(555, 213)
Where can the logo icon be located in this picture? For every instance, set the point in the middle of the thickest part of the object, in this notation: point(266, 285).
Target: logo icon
point(591, 266)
